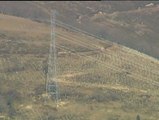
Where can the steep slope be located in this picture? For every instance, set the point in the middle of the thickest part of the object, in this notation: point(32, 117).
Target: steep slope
point(97, 79)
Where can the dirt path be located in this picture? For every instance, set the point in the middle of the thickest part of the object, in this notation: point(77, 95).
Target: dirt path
point(96, 85)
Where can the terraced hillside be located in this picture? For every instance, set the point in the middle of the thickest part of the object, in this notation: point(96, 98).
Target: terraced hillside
point(97, 80)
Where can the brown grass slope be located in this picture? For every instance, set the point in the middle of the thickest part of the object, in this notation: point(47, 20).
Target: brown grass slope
point(97, 80)
point(130, 23)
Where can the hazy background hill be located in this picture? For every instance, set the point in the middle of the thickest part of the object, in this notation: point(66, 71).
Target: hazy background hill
point(132, 23)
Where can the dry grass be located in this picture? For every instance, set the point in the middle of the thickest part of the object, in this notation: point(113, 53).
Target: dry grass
point(108, 97)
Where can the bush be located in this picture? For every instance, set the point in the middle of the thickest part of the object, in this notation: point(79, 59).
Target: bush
point(138, 117)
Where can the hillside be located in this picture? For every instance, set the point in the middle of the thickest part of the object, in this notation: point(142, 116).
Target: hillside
point(131, 23)
point(98, 80)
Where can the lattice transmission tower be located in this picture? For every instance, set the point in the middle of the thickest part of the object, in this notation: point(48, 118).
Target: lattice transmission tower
point(51, 80)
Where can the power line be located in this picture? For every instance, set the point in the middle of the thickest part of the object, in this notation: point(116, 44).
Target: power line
point(73, 40)
point(103, 53)
point(107, 42)
point(155, 83)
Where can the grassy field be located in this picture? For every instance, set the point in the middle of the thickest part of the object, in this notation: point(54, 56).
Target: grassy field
point(97, 80)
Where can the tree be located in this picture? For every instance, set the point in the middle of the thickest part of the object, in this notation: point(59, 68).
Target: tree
point(45, 67)
point(138, 117)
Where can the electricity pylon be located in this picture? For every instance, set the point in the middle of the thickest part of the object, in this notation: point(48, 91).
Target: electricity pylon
point(51, 80)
